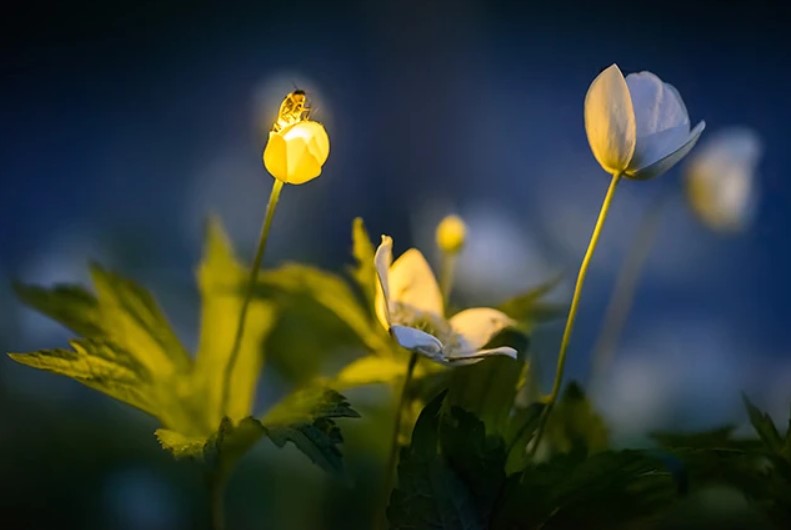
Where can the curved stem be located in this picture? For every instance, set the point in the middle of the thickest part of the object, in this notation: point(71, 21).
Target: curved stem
point(564, 343)
point(392, 460)
point(274, 196)
point(623, 293)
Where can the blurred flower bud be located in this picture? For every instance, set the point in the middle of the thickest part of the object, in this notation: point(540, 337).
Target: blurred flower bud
point(720, 179)
point(637, 125)
point(451, 233)
point(296, 153)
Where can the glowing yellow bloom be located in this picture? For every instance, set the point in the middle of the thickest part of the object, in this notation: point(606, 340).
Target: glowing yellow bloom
point(451, 233)
point(296, 153)
point(637, 126)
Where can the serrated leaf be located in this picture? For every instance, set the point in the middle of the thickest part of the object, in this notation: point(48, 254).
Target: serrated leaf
point(764, 426)
point(132, 319)
point(221, 449)
point(603, 491)
point(327, 290)
point(71, 305)
point(306, 418)
point(221, 280)
point(363, 271)
point(529, 308)
point(100, 365)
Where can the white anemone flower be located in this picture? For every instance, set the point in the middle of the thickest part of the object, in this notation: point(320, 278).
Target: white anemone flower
point(410, 306)
point(720, 179)
point(637, 126)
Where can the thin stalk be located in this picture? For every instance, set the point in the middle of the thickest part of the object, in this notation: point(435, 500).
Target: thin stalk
point(575, 300)
point(392, 460)
point(622, 296)
point(446, 273)
point(274, 196)
point(216, 482)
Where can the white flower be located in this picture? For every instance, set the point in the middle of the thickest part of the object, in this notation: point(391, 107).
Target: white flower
point(720, 179)
point(637, 126)
point(409, 305)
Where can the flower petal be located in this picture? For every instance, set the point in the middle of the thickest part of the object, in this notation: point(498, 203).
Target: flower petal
point(478, 325)
point(413, 285)
point(463, 359)
point(661, 119)
point(720, 179)
point(417, 341)
point(664, 164)
point(610, 120)
point(382, 261)
point(275, 157)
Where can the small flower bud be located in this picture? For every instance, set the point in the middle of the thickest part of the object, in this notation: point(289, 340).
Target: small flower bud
point(296, 153)
point(451, 233)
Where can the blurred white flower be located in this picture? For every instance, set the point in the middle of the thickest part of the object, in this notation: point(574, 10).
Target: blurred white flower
point(637, 126)
point(410, 306)
point(720, 179)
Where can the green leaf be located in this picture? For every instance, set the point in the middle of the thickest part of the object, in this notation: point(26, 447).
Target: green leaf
point(476, 459)
point(714, 439)
point(764, 426)
point(522, 426)
point(131, 319)
point(371, 369)
point(363, 271)
point(600, 492)
point(100, 365)
point(326, 289)
point(220, 450)
point(574, 426)
point(71, 305)
point(529, 307)
point(306, 418)
point(221, 280)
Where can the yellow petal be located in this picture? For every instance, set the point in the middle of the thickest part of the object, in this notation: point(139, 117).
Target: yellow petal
point(296, 154)
point(275, 160)
point(610, 120)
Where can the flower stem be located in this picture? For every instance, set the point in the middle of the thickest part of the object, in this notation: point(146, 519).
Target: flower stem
point(274, 196)
point(564, 343)
point(625, 285)
point(446, 273)
point(216, 482)
point(392, 460)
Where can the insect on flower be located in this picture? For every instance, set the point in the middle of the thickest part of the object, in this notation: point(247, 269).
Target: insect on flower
point(293, 109)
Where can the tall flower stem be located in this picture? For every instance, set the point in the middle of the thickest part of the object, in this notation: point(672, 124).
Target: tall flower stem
point(392, 459)
point(274, 197)
point(216, 481)
point(622, 296)
point(446, 273)
point(575, 300)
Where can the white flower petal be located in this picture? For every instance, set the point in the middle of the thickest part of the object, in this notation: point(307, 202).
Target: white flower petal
point(418, 341)
point(474, 357)
point(664, 164)
point(478, 325)
point(610, 120)
point(661, 119)
point(382, 261)
point(720, 179)
point(413, 285)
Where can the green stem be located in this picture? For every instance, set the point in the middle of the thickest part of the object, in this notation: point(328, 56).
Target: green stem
point(625, 285)
point(274, 196)
point(446, 273)
point(564, 343)
point(217, 481)
point(392, 460)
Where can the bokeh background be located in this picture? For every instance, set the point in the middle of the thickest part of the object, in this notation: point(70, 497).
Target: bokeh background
point(124, 124)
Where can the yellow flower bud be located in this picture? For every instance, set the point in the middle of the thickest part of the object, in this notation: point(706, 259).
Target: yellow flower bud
point(451, 232)
point(296, 153)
